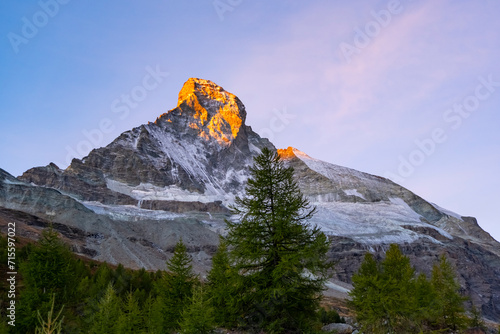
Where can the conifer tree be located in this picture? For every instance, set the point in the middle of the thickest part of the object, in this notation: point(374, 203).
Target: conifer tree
point(425, 297)
point(198, 317)
point(398, 286)
point(384, 295)
point(366, 296)
point(105, 320)
point(175, 287)
point(476, 321)
point(449, 306)
point(221, 286)
point(92, 290)
point(53, 324)
point(49, 269)
point(154, 319)
point(281, 260)
point(131, 318)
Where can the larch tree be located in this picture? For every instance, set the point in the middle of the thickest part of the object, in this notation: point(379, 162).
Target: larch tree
point(105, 320)
point(221, 286)
point(281, 260)
point(199, 316)
point(384, 294)
point(449, 306)
point(175, 288)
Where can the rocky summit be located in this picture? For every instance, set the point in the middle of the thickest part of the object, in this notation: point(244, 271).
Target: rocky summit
point(131, 201)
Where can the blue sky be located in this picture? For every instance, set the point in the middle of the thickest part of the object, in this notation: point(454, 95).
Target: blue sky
point(404, 89)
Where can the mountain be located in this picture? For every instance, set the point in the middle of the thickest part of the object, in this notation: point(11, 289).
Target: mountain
point(130, 201)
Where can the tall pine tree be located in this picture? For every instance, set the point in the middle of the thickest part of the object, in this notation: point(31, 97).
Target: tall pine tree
point(176, 287)
point(131, 320)
point(221, 286)
point(280, 258)
point(199, 316)
point(50, 269)
point(398, 286)
point(105, 320)
point(449, 304)
point(365, 297)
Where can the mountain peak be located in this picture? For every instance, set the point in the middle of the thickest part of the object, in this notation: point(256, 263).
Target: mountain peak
point(286, 153)
point(209, 110)
point(292, 152)
point(204, 89)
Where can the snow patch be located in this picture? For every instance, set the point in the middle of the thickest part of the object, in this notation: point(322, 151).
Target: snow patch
point(400, 202)
point(448, 212)
point(129, 212)
point(254, 148)
point(14, 182)
point(371, 223)
point(147, 191)
point(354, 192)
point(336, 287)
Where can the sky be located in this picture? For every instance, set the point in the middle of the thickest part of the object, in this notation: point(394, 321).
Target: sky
point(405, 89)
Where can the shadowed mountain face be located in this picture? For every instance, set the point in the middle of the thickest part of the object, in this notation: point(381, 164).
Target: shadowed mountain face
point(132, 200)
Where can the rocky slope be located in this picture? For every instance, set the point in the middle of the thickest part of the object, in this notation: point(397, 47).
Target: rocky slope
point(130, 201)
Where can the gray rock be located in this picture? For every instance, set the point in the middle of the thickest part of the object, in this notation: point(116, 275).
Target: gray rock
point(338, 328)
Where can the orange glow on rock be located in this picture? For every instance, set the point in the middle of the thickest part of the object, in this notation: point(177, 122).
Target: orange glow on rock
point(205, 97)
point(287, 153)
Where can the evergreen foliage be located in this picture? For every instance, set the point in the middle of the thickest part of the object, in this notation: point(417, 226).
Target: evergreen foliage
point(50, 269)
point(175, 287)
point(53, 324)
point(153, 316)
point(198, 317)
point(329, 317)
point(389, 298)
point(425, 297)
point(475, 320)
point(131, 319)
point(449, 304)
point(397, 287)
point(366, 297)
point(221, 286)
point(105, 320)
point(280, 259)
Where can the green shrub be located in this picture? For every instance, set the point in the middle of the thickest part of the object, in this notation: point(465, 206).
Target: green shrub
point(329, 317)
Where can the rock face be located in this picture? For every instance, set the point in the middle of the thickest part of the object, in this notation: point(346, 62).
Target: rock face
point(199, 150)
point(132, 200)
